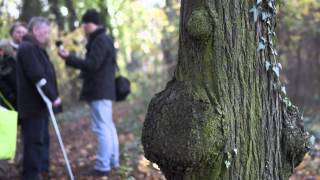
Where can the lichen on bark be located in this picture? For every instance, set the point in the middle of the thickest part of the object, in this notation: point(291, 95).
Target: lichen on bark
point(220, 117)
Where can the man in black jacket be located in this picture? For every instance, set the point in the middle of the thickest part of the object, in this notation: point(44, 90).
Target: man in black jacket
point(33, 64)
point(98, 73)
point(8, 86)
point(7, 77)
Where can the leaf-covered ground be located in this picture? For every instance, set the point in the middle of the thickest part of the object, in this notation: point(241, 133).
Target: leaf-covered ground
point(309, 169)
point(80, 145)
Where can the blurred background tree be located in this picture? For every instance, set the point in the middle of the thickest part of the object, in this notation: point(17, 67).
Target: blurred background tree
point(298, 41)
point(145, 35)
point(299, 37)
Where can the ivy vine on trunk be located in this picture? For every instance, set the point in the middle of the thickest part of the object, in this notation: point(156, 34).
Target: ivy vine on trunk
point(225, 114)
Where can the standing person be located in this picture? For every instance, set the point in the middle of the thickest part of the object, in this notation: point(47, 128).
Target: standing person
point(33, 64)
point(7, 76)
point(8, 85)
point(98, 73)
point(17, 31)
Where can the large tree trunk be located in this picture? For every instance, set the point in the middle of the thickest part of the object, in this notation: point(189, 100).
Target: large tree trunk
point(223, 115)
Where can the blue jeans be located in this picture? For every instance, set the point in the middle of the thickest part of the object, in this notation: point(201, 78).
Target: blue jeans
point(106, 133)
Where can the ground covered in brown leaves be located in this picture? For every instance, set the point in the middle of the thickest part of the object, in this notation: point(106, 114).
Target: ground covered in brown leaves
point(80, 145)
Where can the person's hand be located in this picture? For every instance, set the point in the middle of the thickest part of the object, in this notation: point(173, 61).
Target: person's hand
point(57, 102)
point(64, 54)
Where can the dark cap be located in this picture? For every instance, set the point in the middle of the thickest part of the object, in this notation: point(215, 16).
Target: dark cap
point(91, 16)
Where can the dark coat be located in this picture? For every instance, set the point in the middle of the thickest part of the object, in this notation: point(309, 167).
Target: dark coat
point(8, 85)
point(98, 68)
point(33, 64)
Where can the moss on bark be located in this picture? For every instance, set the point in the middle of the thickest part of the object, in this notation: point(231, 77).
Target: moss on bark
point(220, 117)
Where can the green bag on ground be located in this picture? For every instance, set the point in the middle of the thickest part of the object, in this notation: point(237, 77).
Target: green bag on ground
point(8, 131)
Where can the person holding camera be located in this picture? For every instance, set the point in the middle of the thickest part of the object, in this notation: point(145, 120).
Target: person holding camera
point(98, 73)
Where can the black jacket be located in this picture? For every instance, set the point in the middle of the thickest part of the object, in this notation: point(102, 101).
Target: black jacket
point(33, 64)
point(8, 85)
point(98, 68)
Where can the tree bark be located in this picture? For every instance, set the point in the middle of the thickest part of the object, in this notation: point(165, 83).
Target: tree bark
point(106, 17)
point(72, 15)
point(54, 8)
point(30, 8)
point(223, 115)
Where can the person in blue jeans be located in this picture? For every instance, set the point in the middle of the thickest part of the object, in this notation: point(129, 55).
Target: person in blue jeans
point(98, 74)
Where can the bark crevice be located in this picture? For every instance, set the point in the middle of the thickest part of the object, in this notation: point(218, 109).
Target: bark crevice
point(221, 117)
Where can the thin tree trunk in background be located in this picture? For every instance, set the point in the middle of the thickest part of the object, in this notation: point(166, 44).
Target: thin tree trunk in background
point(168, 42)
point(1, 5)
point(72, 18)
point(1, 13)
point(54, 8)
point(30, 8)
point(106, 17)
point(221, 116)
point(298, 75)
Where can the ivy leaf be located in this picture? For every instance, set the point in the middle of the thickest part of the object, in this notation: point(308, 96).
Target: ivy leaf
point(255, 12)
point(283, 90)
point(261, 46)
point(270, 5)
point(271, 42)
point(287, 102)
point(276, 70)
point(279, 65)
point(312, 140)
point(274, 52)
point(271, 33)
point(227, 163)
point(268, 65)
point(264, 40)
point(268, 22)
point(265, 16)
point(235, 150)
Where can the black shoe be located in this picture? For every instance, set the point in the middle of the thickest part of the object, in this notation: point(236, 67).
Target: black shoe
point(95, 172)
point(46, 175)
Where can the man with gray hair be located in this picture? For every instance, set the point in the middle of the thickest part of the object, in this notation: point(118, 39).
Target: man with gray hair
point(33, 64)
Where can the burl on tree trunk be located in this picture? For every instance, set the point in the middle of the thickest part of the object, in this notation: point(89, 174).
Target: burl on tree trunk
point(225, 115)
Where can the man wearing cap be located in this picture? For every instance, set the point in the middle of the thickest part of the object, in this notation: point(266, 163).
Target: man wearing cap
point(98, 74)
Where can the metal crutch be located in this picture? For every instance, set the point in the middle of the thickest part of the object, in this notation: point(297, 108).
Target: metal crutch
point(41, 83)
